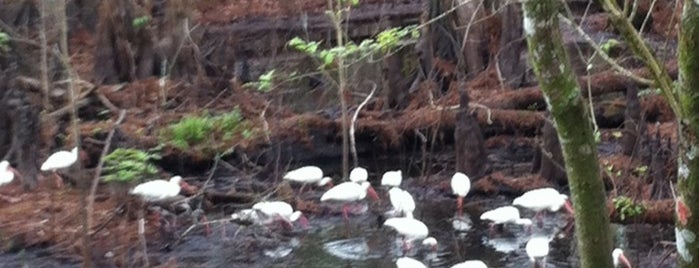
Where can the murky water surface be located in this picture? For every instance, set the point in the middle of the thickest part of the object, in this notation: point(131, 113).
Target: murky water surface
point(363, 242)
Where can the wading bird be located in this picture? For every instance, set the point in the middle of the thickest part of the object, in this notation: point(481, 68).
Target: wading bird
point(60, 160)
point(392, 178)
point(470, 264)
point(407, 262)
point(504, 215)
point(619, 258)
point(347, 192)
point(159, 190)
point(402, 201)
point(308, 175)
point(281, 211)
point(359, 175)
point(410, 229)
point(543, 199)
point(537, 249)
point(460, 185)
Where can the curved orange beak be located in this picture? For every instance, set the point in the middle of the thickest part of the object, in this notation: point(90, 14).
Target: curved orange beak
point(625, 261)
point(569, 207)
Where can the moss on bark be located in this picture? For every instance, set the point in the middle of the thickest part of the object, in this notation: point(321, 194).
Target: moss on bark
point(687, 204)
point(575, 130)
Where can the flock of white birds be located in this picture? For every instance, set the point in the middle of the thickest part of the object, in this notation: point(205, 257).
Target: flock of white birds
point(356, 189)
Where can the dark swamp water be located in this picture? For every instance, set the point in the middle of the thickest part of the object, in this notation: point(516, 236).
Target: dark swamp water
point(363, 242)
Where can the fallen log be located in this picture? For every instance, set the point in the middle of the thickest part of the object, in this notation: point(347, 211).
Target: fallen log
point(654, 211)
point(601, 83)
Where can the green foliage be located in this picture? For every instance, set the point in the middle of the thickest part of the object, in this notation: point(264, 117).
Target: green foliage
point(266, 81)
point(627, 208)
point(608, 45)
point(190, 130)
point(384, 42)
point(140, 22)
point(207, 132)
point(4, 42)
point(127, 165)
point(609, 169)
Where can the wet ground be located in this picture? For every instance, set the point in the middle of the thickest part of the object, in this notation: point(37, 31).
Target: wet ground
point(329, 242)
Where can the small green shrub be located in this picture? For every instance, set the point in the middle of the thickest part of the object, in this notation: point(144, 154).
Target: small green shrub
point(190, 130)
point(208, 133)
point(127, 165)
point(627, 208)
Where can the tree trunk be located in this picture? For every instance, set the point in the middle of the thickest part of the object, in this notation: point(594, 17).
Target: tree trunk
point(687, 204)
point(633, 125)
point(471, 17)
point(468, 142)
point(511, 66)
point(572, 120)
point(549, 157)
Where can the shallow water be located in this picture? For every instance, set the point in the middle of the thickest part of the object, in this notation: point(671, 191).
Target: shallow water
point(364, 243)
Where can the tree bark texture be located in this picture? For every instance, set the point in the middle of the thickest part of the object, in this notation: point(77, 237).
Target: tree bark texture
point(573, 123)
point(468, 142)
point(687, 203)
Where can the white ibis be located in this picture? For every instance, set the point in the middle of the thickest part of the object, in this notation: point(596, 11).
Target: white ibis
point(308, 175)
point(7, 173)
point(349, 192)
point(619, 258)
point(411, 229)
point(504, 215)
point(407, 262)
point(470, 264)
point(158, 190)
point(544, 199)
point(402, 201)
point(359, 175)
point(392, 178)
point(248, 216)
point(60, 160)
point(460, 185)
point(537, 249)
point(430, 243)
point(280, 210)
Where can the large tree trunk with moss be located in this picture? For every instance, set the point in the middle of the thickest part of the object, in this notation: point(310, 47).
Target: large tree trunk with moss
point(687, 204)
point(572, 120)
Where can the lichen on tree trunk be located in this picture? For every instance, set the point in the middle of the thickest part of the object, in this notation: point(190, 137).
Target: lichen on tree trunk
point(572, 120)
point(687, 204)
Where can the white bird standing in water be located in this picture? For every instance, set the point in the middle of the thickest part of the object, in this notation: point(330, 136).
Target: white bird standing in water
point(504, 215)
point(537, 249)
point(308, 175)
point(282, 211)
point(460, 185)
point(407, 262)
point(544, 199)
point(158, 190)
point(392, 178)
point(60, 160)
point(349, 192)
point(359, 175)
point(470, 264)
point(411, 229)
point(402, 201)
point(619, 258)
